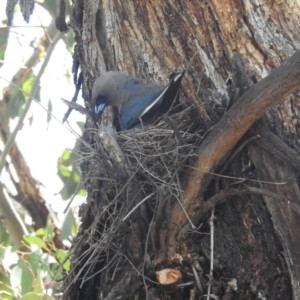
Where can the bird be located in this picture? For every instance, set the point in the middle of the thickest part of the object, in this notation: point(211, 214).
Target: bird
point(138, 104)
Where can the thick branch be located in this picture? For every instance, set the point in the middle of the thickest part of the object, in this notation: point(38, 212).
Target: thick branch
point(234, 124)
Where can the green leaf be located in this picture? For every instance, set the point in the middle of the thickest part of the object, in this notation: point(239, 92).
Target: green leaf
point(4, 236)
point(2, 252)
point(68, 173)
point(38, 284)
point(69, 40)
point(5, 286)
point(62, 257)
point(64, 171)
point(33, 240)
point(15, 104)
point(66, 229)
point(31, 296)
point(3, 42)
point(16, 278)
point(82, 193)
point(76, 177)
point(81, 125)
point(49, 229)
point(26, 277)
point(27, 84)
point(65, 157)
point(40, 232)
point(57, 272)
point(35, 258)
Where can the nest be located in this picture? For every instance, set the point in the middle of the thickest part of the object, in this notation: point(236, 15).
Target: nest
point(160, 151)
point(136, 167)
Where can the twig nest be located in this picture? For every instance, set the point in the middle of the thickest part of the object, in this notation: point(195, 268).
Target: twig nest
point(169, 277)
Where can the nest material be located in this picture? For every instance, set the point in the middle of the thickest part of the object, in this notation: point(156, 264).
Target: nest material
point(121, 175)
point(158, 151)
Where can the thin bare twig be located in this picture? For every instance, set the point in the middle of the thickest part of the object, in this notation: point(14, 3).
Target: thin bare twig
point(136, 206)
point(211, 226)
point(238, 150)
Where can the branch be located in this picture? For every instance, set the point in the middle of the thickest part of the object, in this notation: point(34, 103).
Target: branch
point(32, 199)
point(230, 129)
point(273, 144)
point(221, 197)
point(12, 221)
point(11, 140)
point(77, 107)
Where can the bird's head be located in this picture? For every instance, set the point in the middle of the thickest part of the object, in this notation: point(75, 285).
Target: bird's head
point(104, 94)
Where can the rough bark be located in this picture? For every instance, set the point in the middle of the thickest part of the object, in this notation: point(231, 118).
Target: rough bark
point(151, 39)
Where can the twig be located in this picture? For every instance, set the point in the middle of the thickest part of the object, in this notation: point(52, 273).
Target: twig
point(11, 140)
point(78, 107)
point(135, 207)
point(77, 136)
point(211, 225)
point(238, 150)
point(78, 187)
point(189, 63)
point(175, 129)
point(234, 177)
point(189, 283)
point(294, 204)
point(146, 248)
point(198, 282)
point(78, 85)
point(44, 28)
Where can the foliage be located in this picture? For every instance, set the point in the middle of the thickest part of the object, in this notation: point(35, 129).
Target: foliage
point(68, 173)
point(35, 273)
point(38, 272)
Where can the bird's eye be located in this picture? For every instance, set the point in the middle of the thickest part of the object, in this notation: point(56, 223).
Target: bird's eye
point(101, 98)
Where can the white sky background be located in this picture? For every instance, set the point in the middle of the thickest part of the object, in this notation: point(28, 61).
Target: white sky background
point(42, 145)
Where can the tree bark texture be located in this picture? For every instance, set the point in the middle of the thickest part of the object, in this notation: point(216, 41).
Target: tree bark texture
point(237, 77)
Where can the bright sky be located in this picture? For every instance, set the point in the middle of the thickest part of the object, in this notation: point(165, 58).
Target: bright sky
point(42, 145)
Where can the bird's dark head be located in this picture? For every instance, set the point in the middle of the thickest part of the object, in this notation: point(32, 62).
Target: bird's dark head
point(103, 94)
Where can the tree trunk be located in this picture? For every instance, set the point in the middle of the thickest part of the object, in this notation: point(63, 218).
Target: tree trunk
point(212, 192)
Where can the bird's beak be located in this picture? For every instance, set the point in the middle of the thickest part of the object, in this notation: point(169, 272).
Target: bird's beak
point(98, 111)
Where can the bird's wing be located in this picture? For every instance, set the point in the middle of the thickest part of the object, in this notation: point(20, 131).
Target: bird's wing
point(136, 97)
point(132, 114)
point(165, 97)
point(142, 101)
